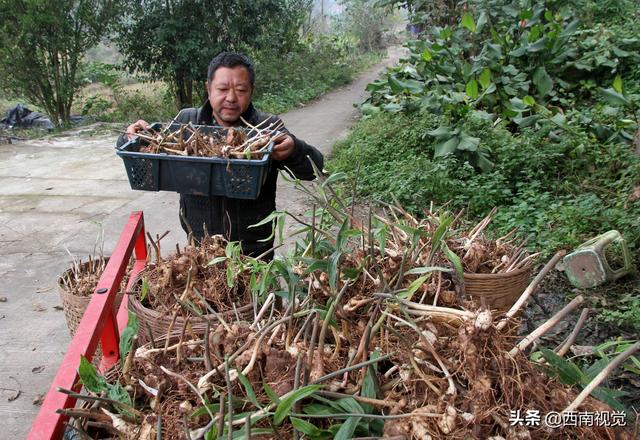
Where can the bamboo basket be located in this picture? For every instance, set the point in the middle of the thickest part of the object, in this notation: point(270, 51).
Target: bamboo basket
point(500, 290)
point(74, 306)
point(158, 323)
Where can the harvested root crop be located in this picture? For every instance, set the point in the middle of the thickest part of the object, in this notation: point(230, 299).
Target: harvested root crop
point(361, 345)
point(202, 141)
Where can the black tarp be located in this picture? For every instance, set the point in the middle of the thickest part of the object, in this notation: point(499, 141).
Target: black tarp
point(21, 116)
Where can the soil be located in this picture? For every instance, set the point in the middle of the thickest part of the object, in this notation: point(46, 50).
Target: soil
point(554, 293)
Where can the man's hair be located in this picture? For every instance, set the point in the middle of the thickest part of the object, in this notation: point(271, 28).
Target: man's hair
point(231, 59)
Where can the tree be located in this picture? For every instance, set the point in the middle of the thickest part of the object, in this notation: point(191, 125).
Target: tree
point(42, 43)
point(366, 21)
point(174, 40)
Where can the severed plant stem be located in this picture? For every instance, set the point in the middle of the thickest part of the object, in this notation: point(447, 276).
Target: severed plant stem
point(351, 368)
point(531, 288)
point(230, 398)
point(552, 322)
point(325, 323)
point(370, 401)
point(565, 346)
point(615, 363)
point(207, 354)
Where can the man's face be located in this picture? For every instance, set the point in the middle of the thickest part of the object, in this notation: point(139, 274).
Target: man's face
point(230, 93)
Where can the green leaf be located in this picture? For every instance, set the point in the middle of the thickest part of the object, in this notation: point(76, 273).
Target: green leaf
point(316, 409)
point(350, 405)
point(455, 260)
point(542, 81)
point(468, 22)
point(332, 269)
point(594, 369)
point(485, 78)
point(251, 394)
point(413, 287)
point(126, 339)
point(482, 20)
point(472, 89)
point(341, 237)
point(144, 290)
point(287, 402)
point(396, 85)
point(370, 383)
point(347, 429)
point(427, 269)
point(565, 370)
point(268, 219)
point(438, 236)
point(446, 147)
point(369, 109)
point(216, 260)
point(212, 407)
point(91, 379)
point(230, 276)
point(537, 46)
point(442, 132)
point(426, 55)
point(526, 121)
point(528, 100)
point(270, 393)
point(240, 434)
point(483, 162)
point(613, 97)
point(335, 178)
point(468, 143)
point(310, 429)
point(607, 396)
point(119, 394)
point(617, 84)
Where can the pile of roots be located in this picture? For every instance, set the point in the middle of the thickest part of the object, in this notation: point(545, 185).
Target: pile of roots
point(200, 141)
point(82, 278)
point(355, 341)
point(196, 273)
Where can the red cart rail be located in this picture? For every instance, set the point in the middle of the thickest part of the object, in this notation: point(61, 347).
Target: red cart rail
point(99, 324)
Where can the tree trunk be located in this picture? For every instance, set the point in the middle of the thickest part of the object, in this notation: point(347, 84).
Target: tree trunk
point(183, 91)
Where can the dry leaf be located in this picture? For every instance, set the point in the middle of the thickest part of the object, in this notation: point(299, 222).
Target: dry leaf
point(39, 399)
point(37, 307)
point(14, 396)
point(37, 370)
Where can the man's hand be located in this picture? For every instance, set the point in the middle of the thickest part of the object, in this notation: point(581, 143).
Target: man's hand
point(283, 146)
point(136, 127)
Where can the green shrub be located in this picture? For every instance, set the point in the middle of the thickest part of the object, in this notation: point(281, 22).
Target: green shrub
point(284, 81)
point(558, 192)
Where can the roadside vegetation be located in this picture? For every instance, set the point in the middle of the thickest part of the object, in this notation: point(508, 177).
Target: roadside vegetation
point(529, 106)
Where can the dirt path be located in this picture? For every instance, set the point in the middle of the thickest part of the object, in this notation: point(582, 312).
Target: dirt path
point(56, 195)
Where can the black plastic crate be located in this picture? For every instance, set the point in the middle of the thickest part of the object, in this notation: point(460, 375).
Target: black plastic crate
point(236, 178)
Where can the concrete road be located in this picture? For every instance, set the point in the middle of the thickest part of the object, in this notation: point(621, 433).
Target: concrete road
point(56, 196)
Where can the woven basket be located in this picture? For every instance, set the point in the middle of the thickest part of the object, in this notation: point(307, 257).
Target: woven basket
point(74, 306)
point(158, 323)
point(500, 290)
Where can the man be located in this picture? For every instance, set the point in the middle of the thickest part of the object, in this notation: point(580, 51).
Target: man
point(230, 84)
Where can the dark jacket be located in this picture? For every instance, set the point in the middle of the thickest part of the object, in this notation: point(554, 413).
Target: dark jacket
point(232, 217)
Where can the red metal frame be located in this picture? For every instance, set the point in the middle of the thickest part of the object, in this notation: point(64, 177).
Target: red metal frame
point(99, 323)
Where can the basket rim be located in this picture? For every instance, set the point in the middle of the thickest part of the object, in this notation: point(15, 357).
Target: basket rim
point(496, 276)
point(68, 271)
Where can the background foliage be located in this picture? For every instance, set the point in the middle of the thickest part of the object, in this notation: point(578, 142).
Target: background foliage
point(518, 104)
point(41, 48)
